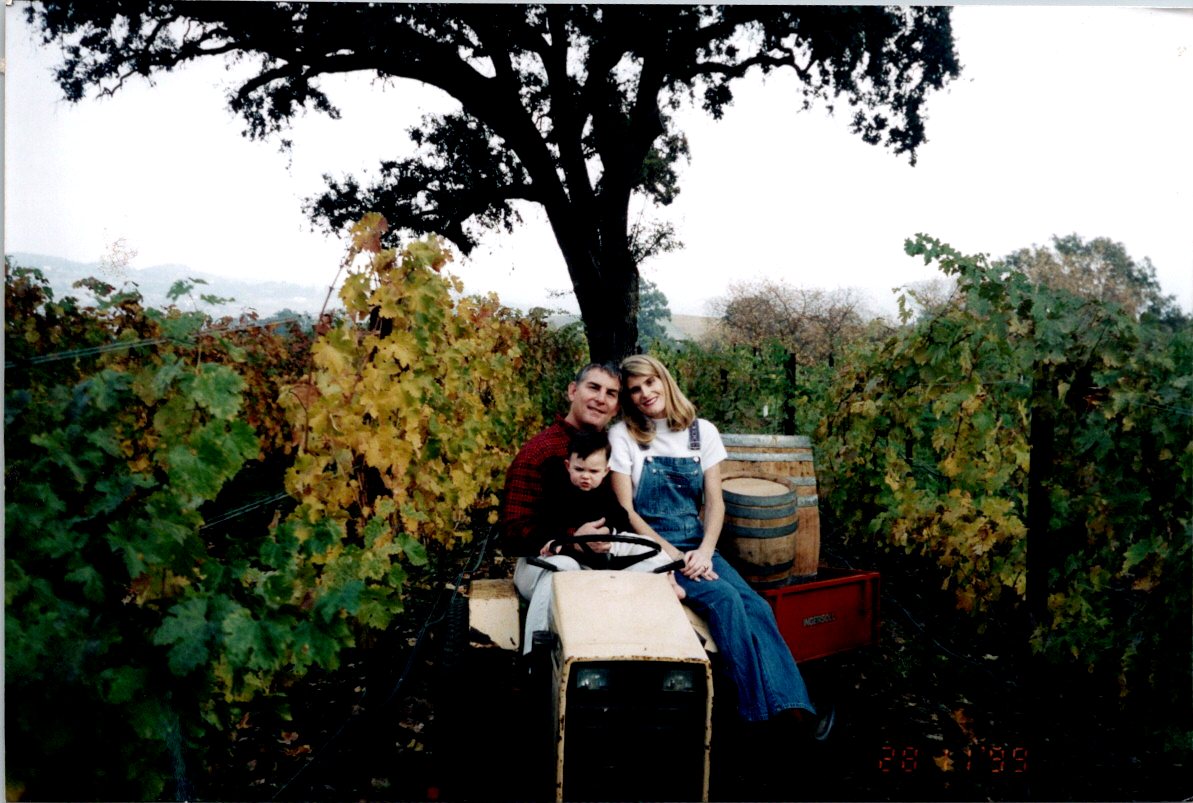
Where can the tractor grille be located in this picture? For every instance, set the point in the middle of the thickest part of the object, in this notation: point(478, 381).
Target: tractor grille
point(635, 730)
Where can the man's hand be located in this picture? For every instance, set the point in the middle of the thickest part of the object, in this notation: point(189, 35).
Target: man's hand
point(595, 528)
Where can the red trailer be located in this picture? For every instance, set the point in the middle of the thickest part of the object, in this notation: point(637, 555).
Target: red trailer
point(835, 611)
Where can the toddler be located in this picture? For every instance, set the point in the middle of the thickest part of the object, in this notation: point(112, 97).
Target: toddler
point(584, 496)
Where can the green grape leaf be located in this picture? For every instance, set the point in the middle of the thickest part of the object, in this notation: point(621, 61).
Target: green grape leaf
point(415, 552)
point(217, 388)
point(343, 598)
point(186, 631)
point(1137, 553)
point(122, 684)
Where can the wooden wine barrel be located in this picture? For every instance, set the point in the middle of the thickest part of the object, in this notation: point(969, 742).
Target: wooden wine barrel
point(779, 455)
point(782, 458)
point(761, 529)
point(807, 546)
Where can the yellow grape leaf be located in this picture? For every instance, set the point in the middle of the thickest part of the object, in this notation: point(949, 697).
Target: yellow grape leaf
point(367, 232)
point(355, 292)
point(333, 356)
point(949, 466)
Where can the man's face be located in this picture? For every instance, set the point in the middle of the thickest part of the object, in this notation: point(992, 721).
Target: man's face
point(593, 400)
point(587, 473)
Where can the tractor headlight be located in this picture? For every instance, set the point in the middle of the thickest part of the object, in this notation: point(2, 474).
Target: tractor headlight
point(592, 678)
point(680, 680)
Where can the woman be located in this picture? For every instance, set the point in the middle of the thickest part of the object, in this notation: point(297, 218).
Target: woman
point(666, 473)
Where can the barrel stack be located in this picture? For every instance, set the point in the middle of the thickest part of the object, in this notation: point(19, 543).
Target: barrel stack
point(763, 476)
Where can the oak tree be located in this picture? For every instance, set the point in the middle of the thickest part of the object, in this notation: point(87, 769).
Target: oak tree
point(813, 325)
point(567, 107)
point(1100, 270)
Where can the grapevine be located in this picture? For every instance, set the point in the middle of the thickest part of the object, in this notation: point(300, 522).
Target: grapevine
point(928, 449)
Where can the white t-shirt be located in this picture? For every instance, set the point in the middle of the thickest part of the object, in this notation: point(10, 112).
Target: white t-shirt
point(627, 456)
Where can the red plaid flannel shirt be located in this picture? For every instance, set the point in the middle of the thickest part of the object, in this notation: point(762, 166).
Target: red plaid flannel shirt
point(523, 505)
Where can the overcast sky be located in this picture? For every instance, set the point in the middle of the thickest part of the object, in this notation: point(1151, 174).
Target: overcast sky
point(1064, 120)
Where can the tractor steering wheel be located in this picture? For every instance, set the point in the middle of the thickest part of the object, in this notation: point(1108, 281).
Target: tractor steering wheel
point(587, 556)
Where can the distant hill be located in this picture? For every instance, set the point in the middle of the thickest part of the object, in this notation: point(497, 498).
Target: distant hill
point(692, 327)
point(679, 327)
point(266, 297)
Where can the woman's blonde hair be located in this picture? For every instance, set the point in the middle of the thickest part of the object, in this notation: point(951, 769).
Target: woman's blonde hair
point(680, 412)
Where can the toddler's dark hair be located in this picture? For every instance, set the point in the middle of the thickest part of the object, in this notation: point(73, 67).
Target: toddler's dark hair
point(587, 441)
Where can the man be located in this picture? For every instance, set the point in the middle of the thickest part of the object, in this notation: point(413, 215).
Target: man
point(592, 400)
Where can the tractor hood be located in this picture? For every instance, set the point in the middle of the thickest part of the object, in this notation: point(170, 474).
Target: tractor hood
point(611, 615)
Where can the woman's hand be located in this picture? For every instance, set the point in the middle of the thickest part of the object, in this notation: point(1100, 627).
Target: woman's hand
point(698, 565)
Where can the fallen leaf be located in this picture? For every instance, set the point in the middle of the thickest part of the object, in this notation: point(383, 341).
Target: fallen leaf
point(944, 761)
point(965, 723)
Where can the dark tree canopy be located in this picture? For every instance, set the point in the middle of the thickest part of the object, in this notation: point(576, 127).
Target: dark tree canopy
point(568, 107)
point(654, 313)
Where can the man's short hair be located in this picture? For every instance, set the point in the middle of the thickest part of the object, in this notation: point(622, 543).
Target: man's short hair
point(585, 442)
point(610, 368)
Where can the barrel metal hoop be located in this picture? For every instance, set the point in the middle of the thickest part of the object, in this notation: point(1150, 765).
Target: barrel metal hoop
point(761, 532)
point(766, 457)
point(792, 441)
point(755, 512)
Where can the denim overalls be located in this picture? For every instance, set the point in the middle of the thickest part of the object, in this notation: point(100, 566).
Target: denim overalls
point(669, 497)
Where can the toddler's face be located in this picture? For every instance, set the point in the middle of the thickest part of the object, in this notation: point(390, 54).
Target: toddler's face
point(587, 473)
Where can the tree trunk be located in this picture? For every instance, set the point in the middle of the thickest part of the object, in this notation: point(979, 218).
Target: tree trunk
point(604, 279)
point(789, 409)
point(1041, 549)
point(609, 306)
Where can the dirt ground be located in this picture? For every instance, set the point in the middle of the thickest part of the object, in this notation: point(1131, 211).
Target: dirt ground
point(915, 720)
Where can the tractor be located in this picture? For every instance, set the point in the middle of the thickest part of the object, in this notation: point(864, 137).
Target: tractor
point(617, 696)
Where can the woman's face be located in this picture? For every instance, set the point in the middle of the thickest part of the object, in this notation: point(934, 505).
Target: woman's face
point(647, 394)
